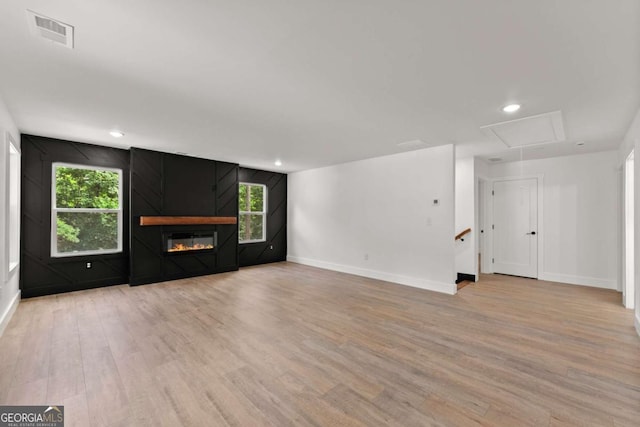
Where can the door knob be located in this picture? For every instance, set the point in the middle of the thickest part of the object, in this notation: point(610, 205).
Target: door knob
point(533, 233)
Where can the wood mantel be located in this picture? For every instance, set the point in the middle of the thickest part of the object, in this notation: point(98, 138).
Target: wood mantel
point(187, 220)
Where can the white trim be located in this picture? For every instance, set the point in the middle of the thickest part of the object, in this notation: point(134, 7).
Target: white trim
point(486, 249)
point(580, 280)
point(637, 323)
point(628, 226)
point(446, 288)
point(244, 242)
point(54, 212)
point(12, 223)
point(8, 313)
point(263, 212)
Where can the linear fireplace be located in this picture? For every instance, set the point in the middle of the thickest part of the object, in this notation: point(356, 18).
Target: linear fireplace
point(184, 242)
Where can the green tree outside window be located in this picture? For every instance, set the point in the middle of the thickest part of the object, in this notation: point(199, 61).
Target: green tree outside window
point(252, 209)
point(87, 210)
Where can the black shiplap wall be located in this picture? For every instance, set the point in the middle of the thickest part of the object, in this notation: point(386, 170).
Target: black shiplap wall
point(275, 247)
point(146, 199)
point(227, 205)
point(158, 184)
point(169, 184)
point(40, 274)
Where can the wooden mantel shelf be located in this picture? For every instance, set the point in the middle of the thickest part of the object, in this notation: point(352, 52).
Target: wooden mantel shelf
point(187, 220)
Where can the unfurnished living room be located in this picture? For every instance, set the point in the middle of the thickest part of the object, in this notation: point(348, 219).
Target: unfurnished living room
point(319, 213)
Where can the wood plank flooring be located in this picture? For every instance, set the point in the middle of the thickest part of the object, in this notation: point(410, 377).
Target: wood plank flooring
point(284, 344)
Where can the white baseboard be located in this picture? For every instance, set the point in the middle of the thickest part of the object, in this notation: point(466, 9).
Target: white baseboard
point(637, 323)
point(447, 288)
point(580, 280)
point(6, 316)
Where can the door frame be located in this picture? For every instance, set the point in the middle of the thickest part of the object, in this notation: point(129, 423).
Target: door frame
point(488, 239)
point(628, 231)
point(483, 225)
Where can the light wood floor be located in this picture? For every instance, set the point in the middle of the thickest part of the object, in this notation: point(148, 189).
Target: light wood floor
point(285, 344)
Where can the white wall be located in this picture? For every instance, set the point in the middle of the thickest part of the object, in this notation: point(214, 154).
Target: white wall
point(376, 218)
point(465, 189)
point(9, 289)
point(580, 216)
point(481, 168)
point(629, 141)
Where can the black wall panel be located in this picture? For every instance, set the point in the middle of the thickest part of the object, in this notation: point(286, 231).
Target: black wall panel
point(168, 184)
point(274, 249)
point(189, 185)
point(146, 199)
point(41, 274)
point(157, 184)
point(227, 205)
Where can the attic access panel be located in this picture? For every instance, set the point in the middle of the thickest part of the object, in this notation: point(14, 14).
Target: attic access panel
point(534, 130)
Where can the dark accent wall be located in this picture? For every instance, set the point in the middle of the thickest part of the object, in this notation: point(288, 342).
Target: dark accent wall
point(275, 247)
point(170, 184)
point(157, 184)
point(40, 274)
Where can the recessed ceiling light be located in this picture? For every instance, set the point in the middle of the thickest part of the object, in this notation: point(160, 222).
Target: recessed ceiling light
point(277, 163)
point(511, 108)
point(495, 159)
point(116, 134)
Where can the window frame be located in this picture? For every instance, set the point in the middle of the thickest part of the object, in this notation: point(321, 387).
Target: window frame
point(55, 210)
point(263, 213)
point(12, 230)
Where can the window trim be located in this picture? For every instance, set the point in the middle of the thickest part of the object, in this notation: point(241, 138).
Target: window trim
point(55, 210)
point(12, 214)
point(264, 211)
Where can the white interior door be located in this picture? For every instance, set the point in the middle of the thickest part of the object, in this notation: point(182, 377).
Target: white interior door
point(515, 227)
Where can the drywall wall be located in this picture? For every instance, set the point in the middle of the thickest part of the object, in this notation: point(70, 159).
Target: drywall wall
point(9, 289)
point(481, 168)
point(629, 141)
point(580, 220)
point(377, 218)
point(465, 189)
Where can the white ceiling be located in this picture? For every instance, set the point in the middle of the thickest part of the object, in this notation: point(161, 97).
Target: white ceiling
point(320, 82)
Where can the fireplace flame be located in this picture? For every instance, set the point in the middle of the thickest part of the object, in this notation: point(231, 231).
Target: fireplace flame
point(177, 247)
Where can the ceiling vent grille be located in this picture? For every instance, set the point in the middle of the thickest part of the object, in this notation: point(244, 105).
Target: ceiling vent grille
point(50, 29)
point(415, 143)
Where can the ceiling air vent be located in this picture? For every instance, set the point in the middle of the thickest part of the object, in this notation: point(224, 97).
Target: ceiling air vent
point(50, 29)
point(414, 143)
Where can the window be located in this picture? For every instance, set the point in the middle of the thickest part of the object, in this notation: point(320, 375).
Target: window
point(252, 223)
point(13, 224)
point(86, 214)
